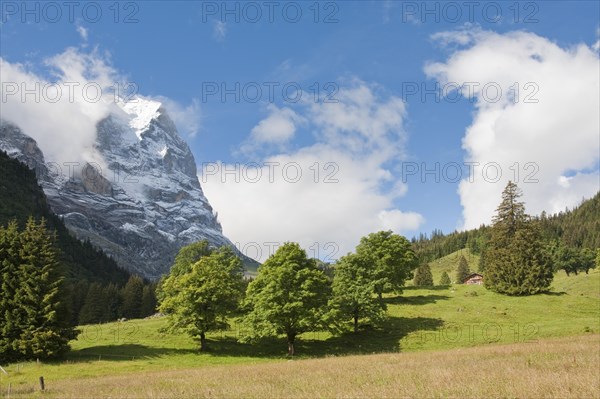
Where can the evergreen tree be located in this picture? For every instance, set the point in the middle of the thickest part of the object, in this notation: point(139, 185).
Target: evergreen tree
point(462, 271)
point(287, 297)
point(148, 301)
point(353, 295)
point(42, 312)
point(93, 310)
point(517, 263)
point(445, 280)
point(206, 295)
point(111, 303)
point(9, 283)
point(132, 295)
point(423, 276)
point(391, 257)
point(482, 260)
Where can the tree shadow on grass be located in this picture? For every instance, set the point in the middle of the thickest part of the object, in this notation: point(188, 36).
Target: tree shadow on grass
point(414, 300)
point(554, 293)
point(368, 340)
point(123, 352)
point(384, 339)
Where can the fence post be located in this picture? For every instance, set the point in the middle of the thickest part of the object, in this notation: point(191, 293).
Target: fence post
point(42, 386)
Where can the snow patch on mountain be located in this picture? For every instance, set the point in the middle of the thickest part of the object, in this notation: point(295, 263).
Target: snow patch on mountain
point(144, 203)
point(142, 111)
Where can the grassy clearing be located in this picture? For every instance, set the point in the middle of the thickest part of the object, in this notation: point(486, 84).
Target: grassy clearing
point(449, 263)
point(565, 368)
point(420, 320)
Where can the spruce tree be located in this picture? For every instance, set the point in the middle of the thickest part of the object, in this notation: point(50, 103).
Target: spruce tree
point(517, 263)
point(93, 309)
point(9, 283)
point(423, 276)
point(445, 279)
point(148, 301)
point(111, 303)
point(462, 271)
point(43, 315)
point(132, 297)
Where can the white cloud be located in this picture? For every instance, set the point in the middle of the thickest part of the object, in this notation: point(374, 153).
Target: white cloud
point(187, 118)
point(219, 30)
point(83, 32)
point(554, 124)
point(278, 127)
point(71, 92)
point(340, 195)
point(63, 109)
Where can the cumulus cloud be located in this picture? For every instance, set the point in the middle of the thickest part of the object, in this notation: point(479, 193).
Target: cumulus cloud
point(278, 127)
point(63, 106)
point(60, 102)
point(327, 194)
point(545, 136)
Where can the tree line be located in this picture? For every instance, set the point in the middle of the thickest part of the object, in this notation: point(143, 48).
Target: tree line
point(293, 294)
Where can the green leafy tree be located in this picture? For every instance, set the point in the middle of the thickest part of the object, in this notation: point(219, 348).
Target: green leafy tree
point(188, 256)
point(353, 295)
point(132, 297)
point(41, 309)
point(517, 263)
point(288, 296)
point(445, 279)
point(423, 276)
point(202, 299)
point(462, 270)
point(392, 259)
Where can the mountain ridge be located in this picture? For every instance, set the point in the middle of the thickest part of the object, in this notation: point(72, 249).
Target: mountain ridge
point(141, 202)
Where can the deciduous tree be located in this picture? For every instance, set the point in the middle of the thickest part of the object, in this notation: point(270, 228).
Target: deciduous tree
point(288, 296)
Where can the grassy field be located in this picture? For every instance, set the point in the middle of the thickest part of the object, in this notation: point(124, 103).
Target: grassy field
point(456, 320)
point(561, 368)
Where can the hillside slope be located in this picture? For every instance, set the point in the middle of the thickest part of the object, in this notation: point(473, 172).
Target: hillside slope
point(21, 197)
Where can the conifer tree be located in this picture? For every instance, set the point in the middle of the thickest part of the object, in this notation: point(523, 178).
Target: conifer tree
point(132, 297)
point(462, 271)
point(517, 263)
point(423, 276)
point(9, 283)
point(148, 301)
point(42, 312)
point(445, 279)
point(93, 310)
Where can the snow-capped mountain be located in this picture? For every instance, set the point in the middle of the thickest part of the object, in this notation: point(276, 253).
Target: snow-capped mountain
point(141, 202)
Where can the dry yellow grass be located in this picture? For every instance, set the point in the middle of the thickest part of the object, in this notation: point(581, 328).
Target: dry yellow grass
point(558, 368)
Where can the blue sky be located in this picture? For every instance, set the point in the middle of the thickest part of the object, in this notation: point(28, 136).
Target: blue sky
point(375, 49)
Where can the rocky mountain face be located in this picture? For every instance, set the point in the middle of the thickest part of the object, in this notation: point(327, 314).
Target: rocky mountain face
point(141, 203)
